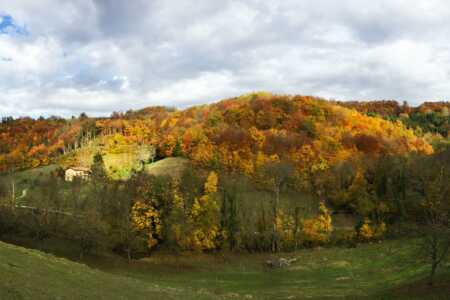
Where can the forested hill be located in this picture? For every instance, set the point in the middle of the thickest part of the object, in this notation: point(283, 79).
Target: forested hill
point(236, 134)
point(429, 117)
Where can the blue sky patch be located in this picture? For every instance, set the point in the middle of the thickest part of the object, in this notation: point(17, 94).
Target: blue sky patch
point(9, 26)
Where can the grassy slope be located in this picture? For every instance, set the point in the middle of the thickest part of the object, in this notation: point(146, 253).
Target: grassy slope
point(120, 165)
point(30, 274)
point(377, 271)
point(372, 270)
point(23, 179)
point(171, 166)
point(36, 172)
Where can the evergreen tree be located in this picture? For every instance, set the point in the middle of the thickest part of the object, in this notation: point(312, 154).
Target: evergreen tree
point(177, 151)
point(98, 167)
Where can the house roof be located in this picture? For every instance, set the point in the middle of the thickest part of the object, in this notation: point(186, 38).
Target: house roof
point(82, 169)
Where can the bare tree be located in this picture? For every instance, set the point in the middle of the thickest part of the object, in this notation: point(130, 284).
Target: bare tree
point(275, 176)
point(435, 225)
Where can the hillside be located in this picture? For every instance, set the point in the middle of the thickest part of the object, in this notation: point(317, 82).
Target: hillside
point(257, 170)
point(171, 166)
point(237, 133)
point(29, 274)
point(429, 117)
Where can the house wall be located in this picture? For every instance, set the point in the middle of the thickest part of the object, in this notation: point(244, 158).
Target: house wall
point(71, 174)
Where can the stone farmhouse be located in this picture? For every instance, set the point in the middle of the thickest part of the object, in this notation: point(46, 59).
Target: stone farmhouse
point(79, 172)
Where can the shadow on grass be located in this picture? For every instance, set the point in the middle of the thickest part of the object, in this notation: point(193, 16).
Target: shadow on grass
point(420, 289)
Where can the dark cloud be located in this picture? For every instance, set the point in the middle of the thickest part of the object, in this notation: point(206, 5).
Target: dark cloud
point(124, 18)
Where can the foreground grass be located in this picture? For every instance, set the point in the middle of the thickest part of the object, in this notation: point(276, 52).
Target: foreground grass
point(374, 270)
point(387, 270)
point(30, 274)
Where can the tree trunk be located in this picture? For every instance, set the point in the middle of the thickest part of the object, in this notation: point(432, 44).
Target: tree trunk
point(432, 273)
point(129, 254)
point(13, 194)
point(434, 259)
point(275, 219)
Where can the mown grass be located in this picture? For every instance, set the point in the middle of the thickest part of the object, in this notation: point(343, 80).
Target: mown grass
point(370, 270)
point(387, 270)
point(30, 274)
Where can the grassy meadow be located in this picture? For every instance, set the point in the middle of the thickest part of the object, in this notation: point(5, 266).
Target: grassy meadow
point(386, 270)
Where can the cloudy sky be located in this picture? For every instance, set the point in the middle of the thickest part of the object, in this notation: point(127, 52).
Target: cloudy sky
point(97, 56)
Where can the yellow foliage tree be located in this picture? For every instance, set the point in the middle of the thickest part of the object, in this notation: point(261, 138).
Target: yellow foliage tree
point(146, 219)
point(285, 225)
point(204, 218)
point(203, 153)
point(211, 183)
point(318, 230)
point(178, 219)
point(365, 232)
point(368, 232)
point(257, 137)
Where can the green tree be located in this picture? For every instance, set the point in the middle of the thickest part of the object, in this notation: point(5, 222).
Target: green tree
point(177, 151)
point(88, 231)
point(98, 168)
point(230, 188)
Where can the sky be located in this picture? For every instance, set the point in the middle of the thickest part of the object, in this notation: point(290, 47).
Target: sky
point(62, 57)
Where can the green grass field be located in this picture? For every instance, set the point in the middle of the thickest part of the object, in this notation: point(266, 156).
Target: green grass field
point(371, 270)
point(119, 156)
point(23, 179)
point(171, 166)
point(30, 274)
point(387, 270)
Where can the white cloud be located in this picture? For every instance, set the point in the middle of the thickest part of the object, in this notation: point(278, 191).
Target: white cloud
point(101, 56)
point(204, 88)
